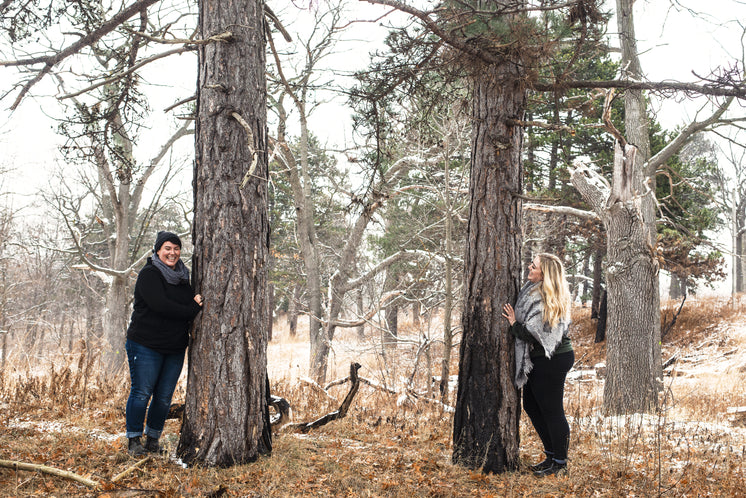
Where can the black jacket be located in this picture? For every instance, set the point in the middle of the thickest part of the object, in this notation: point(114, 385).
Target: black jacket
point(161, 312)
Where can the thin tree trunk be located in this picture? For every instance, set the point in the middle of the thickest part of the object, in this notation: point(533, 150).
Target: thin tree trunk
point(226, 417)
point(448, 290)
point(360, 312)
point(603, 315)
point(554, 151)
point(391, 333)
point(597, 273)
point(738, 270)
point(416, 313)
point(293, 310)
point(485, 426)
point(677, 287)
point(115, 320)
point(586, 271)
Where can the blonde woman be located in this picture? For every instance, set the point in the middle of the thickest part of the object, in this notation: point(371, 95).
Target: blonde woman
point(544, 355)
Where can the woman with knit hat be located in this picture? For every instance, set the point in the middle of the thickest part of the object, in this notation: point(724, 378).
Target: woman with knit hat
point(157, 337)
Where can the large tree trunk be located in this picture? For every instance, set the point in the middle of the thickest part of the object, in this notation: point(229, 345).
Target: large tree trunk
point(632, 359)
point(633, 327)
point(639, 253)
point(485, 426)
point(226, 412)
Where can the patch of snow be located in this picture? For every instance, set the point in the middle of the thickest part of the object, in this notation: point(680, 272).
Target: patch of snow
point(59, 427)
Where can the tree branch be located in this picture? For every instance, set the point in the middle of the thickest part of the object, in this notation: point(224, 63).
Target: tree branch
point(683, 137)
point(571, 211)
point(9, 464)
point(437, 30)
point(738, 91)
point(593, 187)
point(394, 258)
point(52, 60)
point(337, 414)
point(127, 71)
point(389, 296)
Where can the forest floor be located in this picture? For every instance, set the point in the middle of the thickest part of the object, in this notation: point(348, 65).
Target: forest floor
point(54, 413)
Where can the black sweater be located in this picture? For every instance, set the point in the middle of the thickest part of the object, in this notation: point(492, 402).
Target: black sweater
point(520, 331)
point(161, 312)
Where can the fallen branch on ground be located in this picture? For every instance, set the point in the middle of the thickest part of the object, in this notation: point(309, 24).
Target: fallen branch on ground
point(316, 387)
point(335, 415)
point(32, 467)
point(139, 463)
point(419, 397)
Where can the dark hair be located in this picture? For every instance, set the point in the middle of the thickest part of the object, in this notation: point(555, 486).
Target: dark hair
point(163, 237)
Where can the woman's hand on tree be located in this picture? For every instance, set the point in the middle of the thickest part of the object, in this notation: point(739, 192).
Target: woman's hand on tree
point(509, 313)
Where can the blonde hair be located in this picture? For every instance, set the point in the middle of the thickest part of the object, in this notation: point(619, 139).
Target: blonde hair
point(554, 290)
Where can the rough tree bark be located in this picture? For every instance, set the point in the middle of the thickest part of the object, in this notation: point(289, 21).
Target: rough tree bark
point(632, 360)
point(226, 417)
point(485, 426)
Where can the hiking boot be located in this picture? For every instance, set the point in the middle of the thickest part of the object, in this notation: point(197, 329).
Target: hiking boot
point(553, 469)
point(542, 465)
point(152, 446)
point(135, 447)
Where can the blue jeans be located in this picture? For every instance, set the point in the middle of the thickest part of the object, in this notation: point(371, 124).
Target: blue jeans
point(152, 374)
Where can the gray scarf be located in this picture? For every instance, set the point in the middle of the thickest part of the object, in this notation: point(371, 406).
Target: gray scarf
point(529, 310)
point(179, 275)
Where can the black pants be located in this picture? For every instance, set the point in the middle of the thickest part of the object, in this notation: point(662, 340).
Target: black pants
point(542, 401)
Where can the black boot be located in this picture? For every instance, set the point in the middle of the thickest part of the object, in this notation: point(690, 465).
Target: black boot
point(542, 465)
point(135, 447)
point(152, 446)
point(554, 469)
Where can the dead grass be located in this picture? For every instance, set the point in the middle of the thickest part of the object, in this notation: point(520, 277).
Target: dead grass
point(64, 416)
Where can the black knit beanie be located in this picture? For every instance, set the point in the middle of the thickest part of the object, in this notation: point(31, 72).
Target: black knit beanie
point(163, 237)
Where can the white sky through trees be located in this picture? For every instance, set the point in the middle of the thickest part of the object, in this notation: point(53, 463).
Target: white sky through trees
point(676, 39)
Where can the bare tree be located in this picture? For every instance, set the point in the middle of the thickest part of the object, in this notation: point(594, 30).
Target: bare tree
point(731, 181)
point(117, 230)
point(300, 89)
point(344, 268)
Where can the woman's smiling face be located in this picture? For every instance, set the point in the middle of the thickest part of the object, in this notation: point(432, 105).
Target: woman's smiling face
point(534, 271)
point(169, 254)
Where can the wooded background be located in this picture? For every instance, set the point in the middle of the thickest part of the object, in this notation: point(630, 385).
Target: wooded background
point(484, 132)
